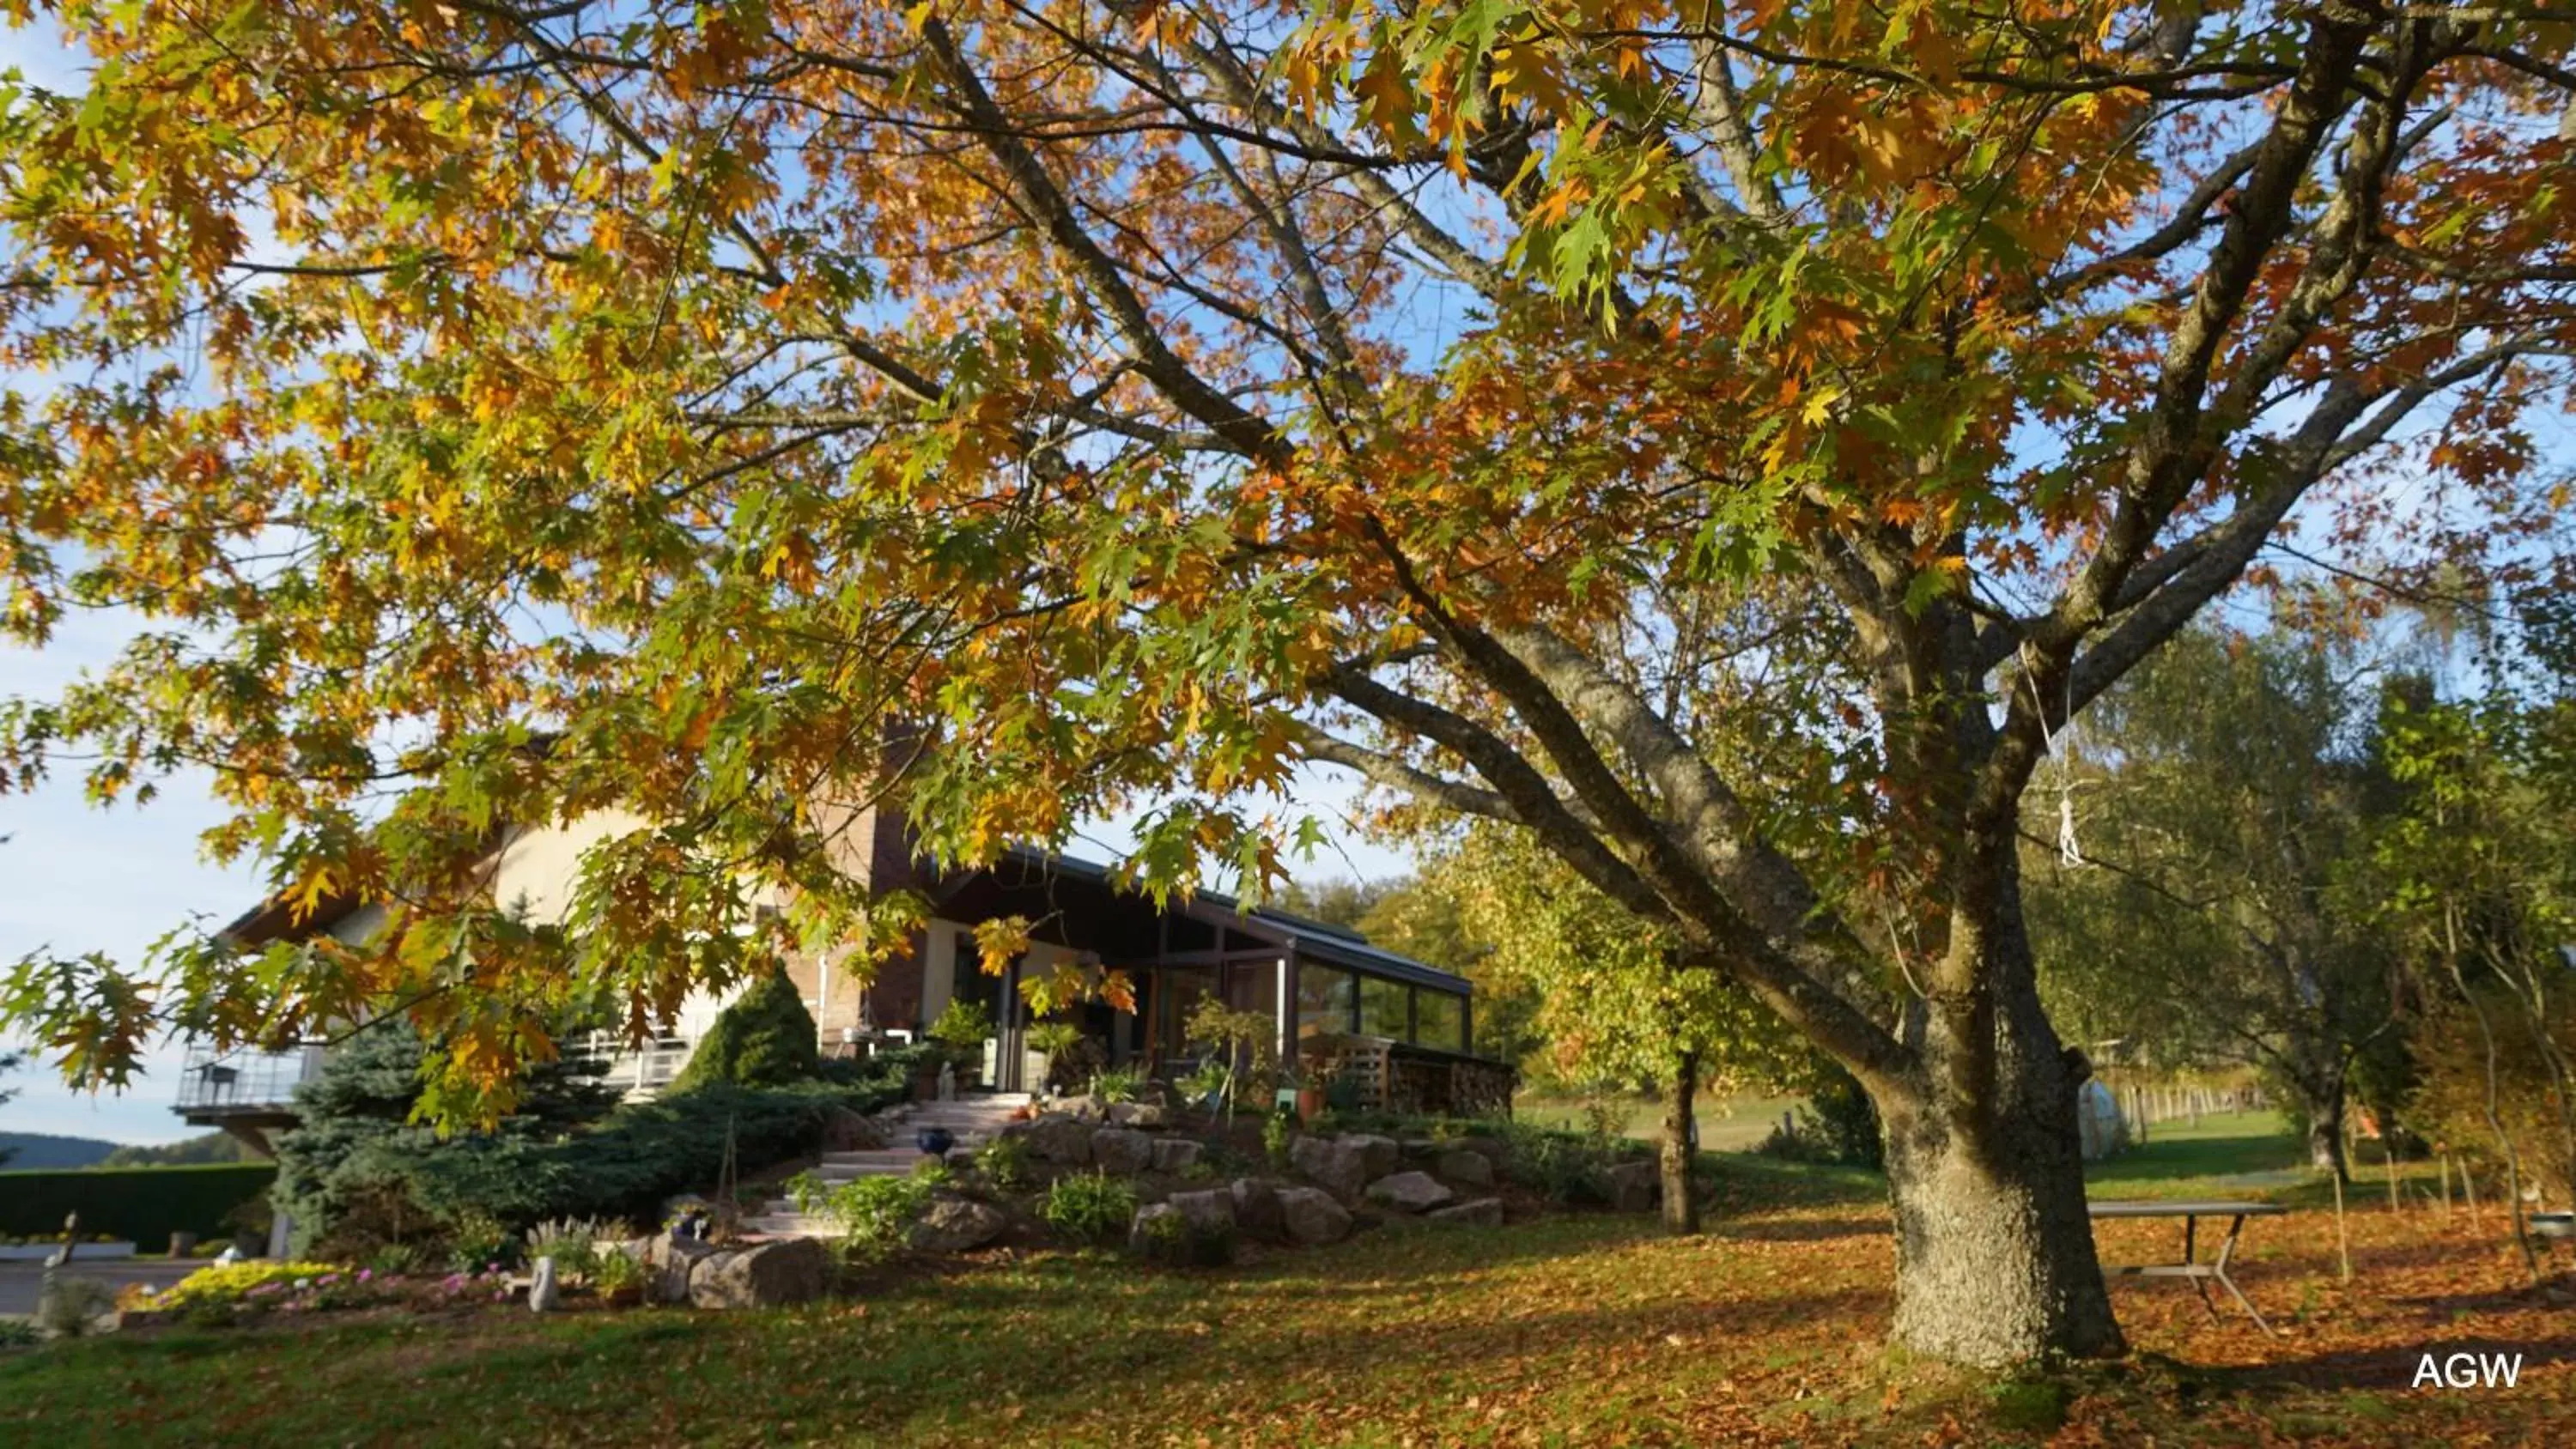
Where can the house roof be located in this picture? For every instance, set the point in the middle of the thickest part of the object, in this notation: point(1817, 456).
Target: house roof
point(1315, 940)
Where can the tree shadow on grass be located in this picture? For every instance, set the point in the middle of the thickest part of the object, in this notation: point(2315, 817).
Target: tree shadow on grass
point(2393, 1367)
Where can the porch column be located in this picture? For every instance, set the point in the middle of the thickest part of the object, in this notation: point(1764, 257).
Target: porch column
point(1286, 1000)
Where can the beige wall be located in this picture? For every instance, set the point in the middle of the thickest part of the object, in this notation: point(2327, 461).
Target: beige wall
point(540, 865)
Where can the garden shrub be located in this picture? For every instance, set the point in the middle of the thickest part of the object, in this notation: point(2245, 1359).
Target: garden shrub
point(19, 1333)
point(1004, 1161)
point(376, 1183)
point(876, 1214)
point(1566, 1167)
point(1091, 1207)
point(766, 1038)
point(142, 1204)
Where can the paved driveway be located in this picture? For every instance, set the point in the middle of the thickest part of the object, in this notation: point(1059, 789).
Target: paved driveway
point(21, 1282)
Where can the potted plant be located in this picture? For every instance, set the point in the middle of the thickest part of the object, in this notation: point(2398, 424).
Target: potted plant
point(963, 1028)
point(1062, 1044)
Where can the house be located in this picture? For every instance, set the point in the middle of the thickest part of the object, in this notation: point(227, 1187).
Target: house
point(1400, 1033)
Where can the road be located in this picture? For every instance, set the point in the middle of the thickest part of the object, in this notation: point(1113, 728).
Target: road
point(21, 1282)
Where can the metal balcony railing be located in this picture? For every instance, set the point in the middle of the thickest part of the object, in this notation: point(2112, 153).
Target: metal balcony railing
point(243, 1080)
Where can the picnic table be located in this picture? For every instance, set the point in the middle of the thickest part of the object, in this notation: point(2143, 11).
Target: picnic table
point(2191, 1211)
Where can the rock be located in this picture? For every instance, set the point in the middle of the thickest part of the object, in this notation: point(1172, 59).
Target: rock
point(1378, 1155)
point(1632, 1187)
point(671, 1263)
point(545, 1295)
point(1492, 1149)
point(1256, 1205)
point(1311, 1215)
point(1421, 1149)
point(1484, 1212)
point(1412, 1192)
point(1472, 1168)
point(1334, 1162)
point(767, 1275)
point(1156, 1231)
point(1056, 1137)
point(847, 1131)
point(1211, 1211)
point(957, 1224)
point(1138, 1114)
point(1122, 1150)
point(1175, 1154)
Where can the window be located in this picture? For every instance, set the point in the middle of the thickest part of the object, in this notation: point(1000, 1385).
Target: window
point(1439, 1019)
point(1323, 1000)
point(1386, 1008)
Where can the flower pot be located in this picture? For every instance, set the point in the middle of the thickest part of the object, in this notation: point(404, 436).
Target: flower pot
point(934, 1141)
point(1310, 1103)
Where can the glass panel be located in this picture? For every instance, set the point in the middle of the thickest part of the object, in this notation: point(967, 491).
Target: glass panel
point(1185, 988)
point(1385, 1008)
point(1439, 1020)
point(1323, 1001)
point(1253, 986)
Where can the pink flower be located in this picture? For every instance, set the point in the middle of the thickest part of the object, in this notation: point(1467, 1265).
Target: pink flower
point(366, 1274)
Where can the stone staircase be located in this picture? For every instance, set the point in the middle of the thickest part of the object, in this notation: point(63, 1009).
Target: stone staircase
point(971, 1119)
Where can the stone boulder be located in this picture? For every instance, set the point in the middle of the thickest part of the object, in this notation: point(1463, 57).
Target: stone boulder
point(1311, 1216)
point(1056, 1137)
point(957, 1225)
point(1492, 1149)
point(1411, 1192)
point(1138, 1114)
point(766, 1275)
point(1156, 1232)
point(1175, 1154)
point(1256, 1205)
point(1378, 1155)
point(1484, 1212)
point(1472, 1168)
point(1333, 1162)
point(1193, 1229)
point(669, 1265)
point(1211, 1211)
point(847, 1131)
point(1632, 1187)
point(1122, 1151)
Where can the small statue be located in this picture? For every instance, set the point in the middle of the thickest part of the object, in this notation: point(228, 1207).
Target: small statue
point(544, 1294)
point(71, 1241)
point(948, 1081)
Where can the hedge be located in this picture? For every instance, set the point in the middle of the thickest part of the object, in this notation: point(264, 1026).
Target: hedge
point(145, 1204)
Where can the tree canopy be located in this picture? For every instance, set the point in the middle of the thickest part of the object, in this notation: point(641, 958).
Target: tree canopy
point(1721, 441)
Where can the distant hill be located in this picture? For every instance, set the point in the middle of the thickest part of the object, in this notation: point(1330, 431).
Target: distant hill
point(206, 1147)
point(43, 1149)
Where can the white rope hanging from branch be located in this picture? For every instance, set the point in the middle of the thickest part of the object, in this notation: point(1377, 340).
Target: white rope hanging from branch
point(2061, 754)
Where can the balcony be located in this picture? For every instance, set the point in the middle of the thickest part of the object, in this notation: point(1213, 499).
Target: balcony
point(242, 1086)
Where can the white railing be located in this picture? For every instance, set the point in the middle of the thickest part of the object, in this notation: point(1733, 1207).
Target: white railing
point(242, 1080)
point(641, 1071)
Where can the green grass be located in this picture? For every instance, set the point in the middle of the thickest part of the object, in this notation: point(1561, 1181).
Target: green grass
point(1559, 1330)
point(2233, 1154)
point(1726, 1124)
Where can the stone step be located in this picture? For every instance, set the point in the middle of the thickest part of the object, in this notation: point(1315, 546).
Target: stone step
point(781, 1220)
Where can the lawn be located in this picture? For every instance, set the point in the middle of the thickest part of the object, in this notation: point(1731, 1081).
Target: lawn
point(1581, 1330)
point(1726, 1124)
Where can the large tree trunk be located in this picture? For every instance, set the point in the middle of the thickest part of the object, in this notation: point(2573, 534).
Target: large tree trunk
point(1985, 1170)
point(1681, 1201)
point(2323, 1103)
